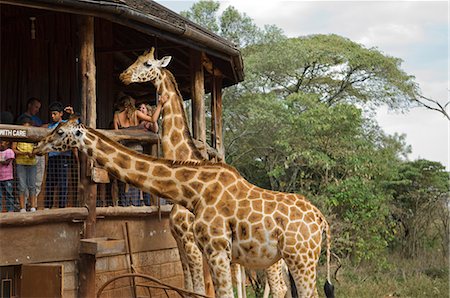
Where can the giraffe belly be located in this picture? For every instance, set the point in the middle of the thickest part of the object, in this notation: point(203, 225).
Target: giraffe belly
point(254, 256)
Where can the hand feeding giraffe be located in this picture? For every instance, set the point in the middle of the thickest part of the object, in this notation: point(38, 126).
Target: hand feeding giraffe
point(177, 144)
point(234, 220)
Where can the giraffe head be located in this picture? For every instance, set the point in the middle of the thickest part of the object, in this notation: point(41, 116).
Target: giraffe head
point(65, 136)
point(146, 68)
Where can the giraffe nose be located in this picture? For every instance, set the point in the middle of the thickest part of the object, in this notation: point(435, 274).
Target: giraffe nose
point(125, 77)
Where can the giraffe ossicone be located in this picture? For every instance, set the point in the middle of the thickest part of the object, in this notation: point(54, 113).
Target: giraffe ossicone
point(234, 219)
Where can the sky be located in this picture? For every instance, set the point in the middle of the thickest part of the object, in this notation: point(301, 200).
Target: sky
point(414, 31)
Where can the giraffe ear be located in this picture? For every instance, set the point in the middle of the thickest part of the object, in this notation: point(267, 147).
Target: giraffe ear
point(165, 61)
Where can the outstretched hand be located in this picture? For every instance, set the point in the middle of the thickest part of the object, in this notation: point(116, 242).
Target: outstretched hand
point(163, 98)
point(69, 110)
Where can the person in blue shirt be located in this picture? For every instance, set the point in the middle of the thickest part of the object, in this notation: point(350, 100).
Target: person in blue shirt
point(58, 162)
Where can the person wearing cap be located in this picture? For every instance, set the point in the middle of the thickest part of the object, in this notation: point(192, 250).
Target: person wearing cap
point(58, 162)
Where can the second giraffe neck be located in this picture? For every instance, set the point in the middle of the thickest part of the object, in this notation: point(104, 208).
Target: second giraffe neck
point(177, 143)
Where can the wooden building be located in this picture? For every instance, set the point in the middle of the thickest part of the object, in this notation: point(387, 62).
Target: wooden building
point(73, 51)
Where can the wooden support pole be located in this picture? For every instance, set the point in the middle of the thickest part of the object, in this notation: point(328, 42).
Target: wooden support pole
point(218, 114)
point(88, 189)
point(197, 95)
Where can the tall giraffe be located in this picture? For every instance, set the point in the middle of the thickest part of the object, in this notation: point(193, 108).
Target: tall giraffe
point(234, 219)
point(177, 144)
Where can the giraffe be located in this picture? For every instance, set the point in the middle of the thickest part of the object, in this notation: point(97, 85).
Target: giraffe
point(177, 144)
point(234, 219)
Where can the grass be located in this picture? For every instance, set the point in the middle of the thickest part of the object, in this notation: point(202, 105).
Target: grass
point(399, 277)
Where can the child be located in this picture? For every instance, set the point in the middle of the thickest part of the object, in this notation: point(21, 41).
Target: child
point(26, 169)
point(151, 126)
point(6, 175)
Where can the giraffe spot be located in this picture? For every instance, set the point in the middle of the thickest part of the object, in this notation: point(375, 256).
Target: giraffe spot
point(255, 217)
point(114, 172)
point(226, 178)
point(216, 231)
point(269, 224)
point(304, 231)
point(124, 158)
point(136, 179)
point(142, 166)
point(243, 187)
point(309, 217)
point(175, 137)
point(208, 214)
point(178, 122)
point(257, 205)
point(211, 193)
point(87, 142)
point(184, 175)
point(233, 190)
point(187, 191)
point(106, 148)
point(290, 241)
point(206, 176)
point(90, 138)
point(196, 186)
point(267, 196)
point(165, 186)
point(89, 152)
point(281, 220)
point(295, 213)
point(183, 152)
point(269, 206)
point(283, 209)
point(254, 195)
point(244, 203)
point(226, 208)
point(258, 233)
point(249, 247)
point(161, 172)
point(243, 231)
point(302, 205)
point(101, 160)
point(242, 213)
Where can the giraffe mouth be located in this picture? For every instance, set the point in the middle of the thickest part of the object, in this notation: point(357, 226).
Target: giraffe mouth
point(125, 78)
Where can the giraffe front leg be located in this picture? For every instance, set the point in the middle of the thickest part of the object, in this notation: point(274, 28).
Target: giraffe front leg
point(214, 240)
point(276, 283)
point(181, 222)
point(219, 265)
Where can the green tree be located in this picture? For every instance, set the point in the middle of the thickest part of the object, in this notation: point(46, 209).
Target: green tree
point(421, 206)
point(332, 67)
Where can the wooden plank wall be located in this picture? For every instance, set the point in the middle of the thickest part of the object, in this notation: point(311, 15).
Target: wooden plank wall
point(43, 67)
point(47, 67)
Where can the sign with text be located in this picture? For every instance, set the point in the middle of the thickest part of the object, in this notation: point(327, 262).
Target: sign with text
point(14, 133)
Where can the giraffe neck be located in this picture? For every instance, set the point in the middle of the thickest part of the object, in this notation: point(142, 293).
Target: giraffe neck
point(157, 176)
point(177, 143)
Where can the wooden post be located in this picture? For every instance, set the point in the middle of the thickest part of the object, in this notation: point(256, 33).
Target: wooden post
point(213, 114)
point(218, 114)
point(197, 95)
point(88, 188)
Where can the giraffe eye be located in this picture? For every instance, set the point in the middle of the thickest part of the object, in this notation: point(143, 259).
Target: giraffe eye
point(147, 64)
point(60, 132)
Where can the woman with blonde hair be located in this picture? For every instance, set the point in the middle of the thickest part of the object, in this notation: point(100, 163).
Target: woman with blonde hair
point(129, 116)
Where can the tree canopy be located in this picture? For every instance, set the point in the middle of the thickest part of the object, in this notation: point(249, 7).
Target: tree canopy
point(298, 123)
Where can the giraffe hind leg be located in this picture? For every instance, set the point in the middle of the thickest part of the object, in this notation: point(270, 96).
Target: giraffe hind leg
point(304, 276)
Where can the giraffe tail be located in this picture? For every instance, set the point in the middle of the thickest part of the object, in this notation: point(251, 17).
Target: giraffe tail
point(328, 287)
